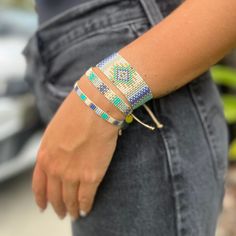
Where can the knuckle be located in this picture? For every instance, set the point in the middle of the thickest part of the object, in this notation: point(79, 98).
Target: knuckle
point(68, 177)
point(41, 151)
point(53, 171)
point(40, 159)
point(90, 177)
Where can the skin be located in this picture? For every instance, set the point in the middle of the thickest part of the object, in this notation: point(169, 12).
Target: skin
point(77, 145)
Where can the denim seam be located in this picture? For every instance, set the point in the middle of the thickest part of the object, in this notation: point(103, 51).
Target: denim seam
point(154, 16)
point(175, 175)
point(202, 113)
point(171, 152)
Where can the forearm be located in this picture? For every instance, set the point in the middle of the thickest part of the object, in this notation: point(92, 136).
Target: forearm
point(178, 49)
point(183, 45)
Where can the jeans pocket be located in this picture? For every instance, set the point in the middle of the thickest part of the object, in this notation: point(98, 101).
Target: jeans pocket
point(70, 63)
point(68, 48)
point(209, 106)
point(34, 67)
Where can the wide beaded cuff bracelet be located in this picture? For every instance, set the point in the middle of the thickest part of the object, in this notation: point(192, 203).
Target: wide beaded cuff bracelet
point(107, 92)
point(97, 109)
point(126, 79)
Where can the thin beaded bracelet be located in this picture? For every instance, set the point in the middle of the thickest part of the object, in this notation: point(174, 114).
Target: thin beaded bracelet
point(108, 92)
point(126, 79)
point(97, 109)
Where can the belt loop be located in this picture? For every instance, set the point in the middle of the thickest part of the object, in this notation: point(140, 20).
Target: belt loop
point(152, 11)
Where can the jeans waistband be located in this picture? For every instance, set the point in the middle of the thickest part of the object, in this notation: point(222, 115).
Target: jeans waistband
point(87, 18)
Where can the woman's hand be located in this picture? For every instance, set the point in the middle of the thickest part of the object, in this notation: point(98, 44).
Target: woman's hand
point(75, 152)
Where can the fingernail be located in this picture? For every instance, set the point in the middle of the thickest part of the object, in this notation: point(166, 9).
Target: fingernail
point(61, 216)
point(41, 210)
point(73, 218)
point(82, 213)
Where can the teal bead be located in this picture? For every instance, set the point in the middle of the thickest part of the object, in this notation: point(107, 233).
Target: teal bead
point(104, 116)
point(83, 97)
point(92, 76)
point(117, 100)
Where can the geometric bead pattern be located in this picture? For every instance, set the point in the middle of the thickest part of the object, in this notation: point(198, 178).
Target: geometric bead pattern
point(95, 108)
point(126, 79)
point(109, 94)
point(122, 74)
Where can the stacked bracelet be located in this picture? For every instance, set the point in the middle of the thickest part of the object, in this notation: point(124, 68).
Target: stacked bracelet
point(126, 79)
point(107, 92)
point(97, 109)
point(130, 84)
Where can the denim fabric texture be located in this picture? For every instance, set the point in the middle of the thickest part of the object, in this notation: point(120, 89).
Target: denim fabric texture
point(47, 9)
point(167, 182)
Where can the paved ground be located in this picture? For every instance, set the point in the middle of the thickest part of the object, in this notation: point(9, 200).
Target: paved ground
point(19, 215)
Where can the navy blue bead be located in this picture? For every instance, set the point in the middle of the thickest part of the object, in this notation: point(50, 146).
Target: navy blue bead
point(92, 106)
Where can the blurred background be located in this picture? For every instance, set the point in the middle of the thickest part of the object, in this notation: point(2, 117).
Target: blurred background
point(21, 130)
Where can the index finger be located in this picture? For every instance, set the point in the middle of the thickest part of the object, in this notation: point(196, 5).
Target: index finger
point(39, 184)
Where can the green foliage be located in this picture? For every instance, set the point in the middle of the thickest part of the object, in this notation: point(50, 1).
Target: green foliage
point(226, 76)
point(24, 4)
point(229, 102)
point(232, 151)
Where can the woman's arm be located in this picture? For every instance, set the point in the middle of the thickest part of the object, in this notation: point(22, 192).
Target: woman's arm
point(195, 36)
point(77, 145)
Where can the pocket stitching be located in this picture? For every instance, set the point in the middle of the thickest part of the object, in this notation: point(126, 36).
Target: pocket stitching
point(207, 128)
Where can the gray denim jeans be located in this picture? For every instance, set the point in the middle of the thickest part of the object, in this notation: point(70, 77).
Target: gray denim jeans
point(167, 182)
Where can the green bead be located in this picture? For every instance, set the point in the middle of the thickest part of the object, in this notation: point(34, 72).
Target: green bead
point(104, 116)
point(117, 100)
point(83, 97)
point(92, 76)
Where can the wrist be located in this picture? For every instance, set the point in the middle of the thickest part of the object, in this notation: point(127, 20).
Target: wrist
point(99, 99)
